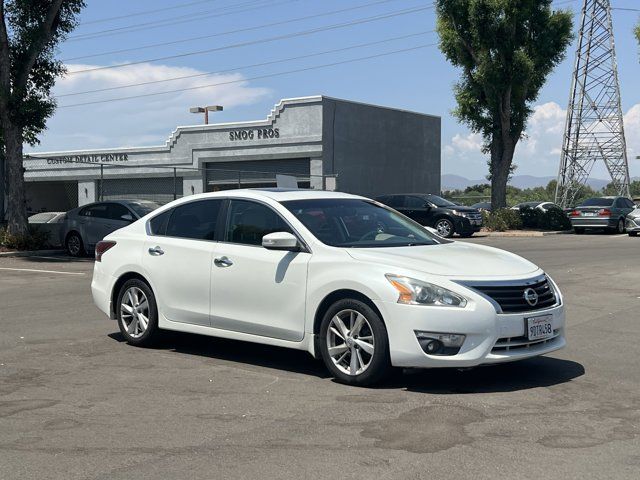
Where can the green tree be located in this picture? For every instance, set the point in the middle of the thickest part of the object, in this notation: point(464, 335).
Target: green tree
point(637, 32)
point(506, 49)
point(30, 30)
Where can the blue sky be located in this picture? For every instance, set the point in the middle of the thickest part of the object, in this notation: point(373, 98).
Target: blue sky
point(418, 80)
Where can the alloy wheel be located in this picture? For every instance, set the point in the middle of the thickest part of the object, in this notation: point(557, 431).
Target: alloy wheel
point(444, 228)
point(350, 342)
point(134, 312)
point(73, 245)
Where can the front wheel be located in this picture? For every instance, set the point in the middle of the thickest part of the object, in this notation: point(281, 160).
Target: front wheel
point(445, 227)
point(137, 313)
point(354, 343)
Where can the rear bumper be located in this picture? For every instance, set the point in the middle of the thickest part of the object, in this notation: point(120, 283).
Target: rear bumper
point(101, 288)
point(593, 222)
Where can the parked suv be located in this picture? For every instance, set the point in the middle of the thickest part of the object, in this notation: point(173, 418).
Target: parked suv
point(85, 226)
point(436, 212)
point(601, 212)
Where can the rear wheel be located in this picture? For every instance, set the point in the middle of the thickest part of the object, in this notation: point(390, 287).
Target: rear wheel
point(137, 313)
point(354, 343)
point(74, 245)
point(445, 227)
point(620, 227)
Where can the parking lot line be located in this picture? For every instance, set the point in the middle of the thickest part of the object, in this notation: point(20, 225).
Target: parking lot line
point(40, 271)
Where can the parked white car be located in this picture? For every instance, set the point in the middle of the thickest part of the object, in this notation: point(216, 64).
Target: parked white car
point(345, 278)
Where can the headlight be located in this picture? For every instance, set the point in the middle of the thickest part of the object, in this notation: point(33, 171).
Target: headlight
point(416, 292)
point(461, 214)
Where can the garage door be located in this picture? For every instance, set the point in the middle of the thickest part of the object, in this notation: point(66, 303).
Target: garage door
point(160, 189)
point(252, 174)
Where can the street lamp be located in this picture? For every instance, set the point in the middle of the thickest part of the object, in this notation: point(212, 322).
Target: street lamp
point(206, 110)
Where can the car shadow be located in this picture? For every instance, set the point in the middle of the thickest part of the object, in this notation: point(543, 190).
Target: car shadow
point(522, 375)
point(295, 361)
point(507, 377)
point(54, 258)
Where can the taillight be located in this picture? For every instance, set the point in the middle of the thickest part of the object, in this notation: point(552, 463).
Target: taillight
point(102, 247)
point(574, 213)
point(605, 212)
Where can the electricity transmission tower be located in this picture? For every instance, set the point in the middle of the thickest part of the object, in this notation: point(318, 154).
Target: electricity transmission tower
point(594, 129)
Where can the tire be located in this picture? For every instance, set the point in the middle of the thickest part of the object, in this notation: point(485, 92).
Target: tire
point(578, 230)
point(74, 245)
point(633, 234)
point(620, 228)
point(132, 295)
point(445, 227)
point(372, 362)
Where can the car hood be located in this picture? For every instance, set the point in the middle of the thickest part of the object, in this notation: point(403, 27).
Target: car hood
point(455, 260)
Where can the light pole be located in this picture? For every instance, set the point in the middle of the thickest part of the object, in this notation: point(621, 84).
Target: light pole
point(206, 110)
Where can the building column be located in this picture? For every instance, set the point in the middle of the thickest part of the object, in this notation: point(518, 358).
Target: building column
point(315, 169)
point(192, 186)
point(86, 192)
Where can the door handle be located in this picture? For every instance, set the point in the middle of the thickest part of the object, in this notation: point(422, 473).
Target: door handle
point(156, 251)
point(222, 262)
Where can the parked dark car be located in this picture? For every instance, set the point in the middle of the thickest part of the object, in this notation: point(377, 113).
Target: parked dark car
point(436, 212)
point(538, 204)
point(486, 206)
point(601, 212)
point(85, 226)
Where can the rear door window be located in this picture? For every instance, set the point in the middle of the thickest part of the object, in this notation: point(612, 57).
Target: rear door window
point(197, 220)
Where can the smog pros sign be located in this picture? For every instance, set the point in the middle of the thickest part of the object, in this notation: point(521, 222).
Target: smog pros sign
point(254, 134)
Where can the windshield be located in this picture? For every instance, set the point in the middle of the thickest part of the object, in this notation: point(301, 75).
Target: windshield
point(598, 202)
point(356, 223)
point(142, 208)
point(440, 202)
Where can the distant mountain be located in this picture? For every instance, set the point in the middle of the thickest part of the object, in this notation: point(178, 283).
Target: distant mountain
point(457, 182)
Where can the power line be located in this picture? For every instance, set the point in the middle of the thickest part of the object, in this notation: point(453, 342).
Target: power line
point(190, 17)
point(228, 32)
point(269, 75)
point(147, 12)
point(242, 67)
point(254, 42)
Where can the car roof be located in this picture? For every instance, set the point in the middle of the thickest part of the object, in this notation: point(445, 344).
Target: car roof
point(277, 194)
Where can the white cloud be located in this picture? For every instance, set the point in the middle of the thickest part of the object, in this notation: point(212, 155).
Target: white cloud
point(539, 152)
point(141, 121)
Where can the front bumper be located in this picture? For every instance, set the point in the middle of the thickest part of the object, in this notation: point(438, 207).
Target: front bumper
point(633, 224)
point(466, 225)
point(490, 337)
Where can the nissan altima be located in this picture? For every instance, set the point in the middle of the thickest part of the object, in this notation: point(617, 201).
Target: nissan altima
point(347, 279)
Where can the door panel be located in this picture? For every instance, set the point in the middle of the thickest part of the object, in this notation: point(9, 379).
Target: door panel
point(181, 277)
point(255, 290)
point(262, 292)
point(178, 258)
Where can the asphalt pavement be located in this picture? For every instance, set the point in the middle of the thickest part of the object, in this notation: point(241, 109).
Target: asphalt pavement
point(76, 402)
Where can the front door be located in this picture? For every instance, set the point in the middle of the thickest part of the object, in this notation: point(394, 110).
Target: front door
point(255, 290)
point(178, 256)
point(418, 209)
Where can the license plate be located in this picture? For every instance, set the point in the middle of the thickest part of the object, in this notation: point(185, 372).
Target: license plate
point(588, 214)
point(476, 222)
point(539, 328)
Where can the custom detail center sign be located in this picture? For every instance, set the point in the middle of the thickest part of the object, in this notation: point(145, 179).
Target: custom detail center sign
point(91, 158)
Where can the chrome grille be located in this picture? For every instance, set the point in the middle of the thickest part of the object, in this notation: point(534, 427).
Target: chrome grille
point(511, 298)
point(507, 344)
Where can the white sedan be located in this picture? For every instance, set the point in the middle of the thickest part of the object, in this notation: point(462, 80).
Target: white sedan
point(345, 278)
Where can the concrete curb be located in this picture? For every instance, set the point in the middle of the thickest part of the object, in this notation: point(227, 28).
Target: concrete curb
point(29, 253)
point(524, 233)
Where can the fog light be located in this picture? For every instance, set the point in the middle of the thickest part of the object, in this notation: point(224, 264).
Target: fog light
point(440, 343)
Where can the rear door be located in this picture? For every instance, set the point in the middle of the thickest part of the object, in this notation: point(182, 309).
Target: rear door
point(178, 257)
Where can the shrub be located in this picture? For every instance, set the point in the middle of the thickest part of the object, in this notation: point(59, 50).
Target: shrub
point(554, 219)
point(36, 239)
point(502, 219)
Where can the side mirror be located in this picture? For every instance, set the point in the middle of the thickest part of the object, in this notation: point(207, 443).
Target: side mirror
point(281, 241)
point(127, 217)
point(427, 206)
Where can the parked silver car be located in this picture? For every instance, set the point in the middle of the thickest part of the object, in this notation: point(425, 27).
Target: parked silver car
point(85, 226)
point(633, 222)
point(601, 212)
